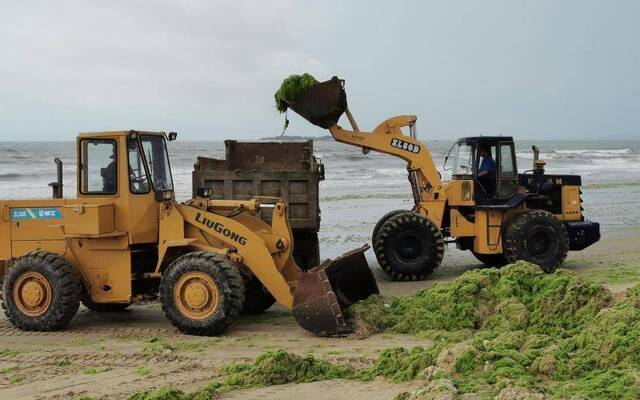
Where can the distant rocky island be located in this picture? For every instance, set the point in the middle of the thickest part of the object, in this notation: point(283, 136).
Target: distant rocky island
point(294, 138)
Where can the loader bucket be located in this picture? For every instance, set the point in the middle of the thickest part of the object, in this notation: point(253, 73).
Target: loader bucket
point(323, 104)
point(324, 292)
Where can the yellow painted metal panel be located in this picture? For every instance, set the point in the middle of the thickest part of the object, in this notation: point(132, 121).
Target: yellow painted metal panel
point(571, 203)
point(107, 273)
point(36, 220)
point(460, 192)
point(22, 247)
point(5, 232)
point(88, 219)
point(460, 226)
point(488, 238)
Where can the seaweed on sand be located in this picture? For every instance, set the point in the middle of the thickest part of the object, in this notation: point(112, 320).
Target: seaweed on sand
point(511, 333)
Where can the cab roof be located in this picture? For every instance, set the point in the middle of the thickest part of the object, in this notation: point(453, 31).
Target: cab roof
point(117, 133)
point(485, 139)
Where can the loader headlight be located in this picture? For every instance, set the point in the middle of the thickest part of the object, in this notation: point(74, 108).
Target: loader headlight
point(163, 195)
point(466, 191)
point(204, 191)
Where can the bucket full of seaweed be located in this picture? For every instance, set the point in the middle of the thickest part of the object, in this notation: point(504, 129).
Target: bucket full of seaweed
point(321, 103)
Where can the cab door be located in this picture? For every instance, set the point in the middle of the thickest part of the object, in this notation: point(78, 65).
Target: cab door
point(507, 171)
point(95, 223)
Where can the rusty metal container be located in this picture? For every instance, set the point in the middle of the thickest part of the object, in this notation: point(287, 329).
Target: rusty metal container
point(278, 169)
point(323, 104)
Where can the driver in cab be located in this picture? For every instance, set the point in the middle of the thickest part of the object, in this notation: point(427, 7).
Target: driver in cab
point(487, 170)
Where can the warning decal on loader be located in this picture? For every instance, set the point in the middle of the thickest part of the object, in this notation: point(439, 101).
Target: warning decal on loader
point(35, 213)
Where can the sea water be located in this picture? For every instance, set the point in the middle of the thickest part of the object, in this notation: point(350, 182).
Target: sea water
point(360, 188)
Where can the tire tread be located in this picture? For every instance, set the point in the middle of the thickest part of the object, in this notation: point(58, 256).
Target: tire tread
point(65, 285)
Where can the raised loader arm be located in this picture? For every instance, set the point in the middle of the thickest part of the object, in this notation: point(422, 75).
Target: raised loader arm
point(324, 104)
point(389, 138)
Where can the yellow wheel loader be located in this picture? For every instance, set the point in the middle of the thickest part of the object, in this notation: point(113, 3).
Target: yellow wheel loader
point(125, 239)
point(487, 207)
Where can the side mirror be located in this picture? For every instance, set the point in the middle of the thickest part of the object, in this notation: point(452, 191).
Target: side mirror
point(172, 136)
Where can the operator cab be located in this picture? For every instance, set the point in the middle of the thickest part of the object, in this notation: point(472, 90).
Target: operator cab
point(143, 155)
point(489, 161)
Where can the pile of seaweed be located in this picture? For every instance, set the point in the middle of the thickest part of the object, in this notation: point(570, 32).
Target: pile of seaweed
point(518, 297)
point(511, 333)
point(516, 329)
point(291, 88)
point(271, 368)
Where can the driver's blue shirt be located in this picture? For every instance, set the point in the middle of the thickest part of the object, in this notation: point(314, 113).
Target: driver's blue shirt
point(488, 165)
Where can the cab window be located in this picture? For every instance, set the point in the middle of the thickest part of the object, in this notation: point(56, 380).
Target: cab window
point(98, 166)
point(138, 182)
point(155, 153)
point(486, 171)
point(507, 163)
point(463, 164)
point(508, 171)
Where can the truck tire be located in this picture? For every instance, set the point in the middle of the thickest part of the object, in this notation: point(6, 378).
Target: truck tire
point(102, 307)
point(306, 249)
point(492, 260)
point(256, 298)
point(202, 293)
point(536, 236)
point(409, 247)
point(384, 219)
point(41, 292)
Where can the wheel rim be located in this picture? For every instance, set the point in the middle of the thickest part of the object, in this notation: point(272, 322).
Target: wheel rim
point(196, 295)
point(409, 247)
point(540, 242)
point(32, 294)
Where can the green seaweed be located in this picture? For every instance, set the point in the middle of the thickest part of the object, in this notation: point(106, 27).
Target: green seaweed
point(279, 367)
point(160, 394)
point(98, 370)
point(512, 333)
point(271, 368)
point(517, 297)
point(399, 364)
point(5, 352)
point(292, 88)
point(550, 333)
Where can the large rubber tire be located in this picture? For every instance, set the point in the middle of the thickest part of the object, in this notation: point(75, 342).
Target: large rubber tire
point(211, 269)
point(409, 247)
point(102, 307)
point(62, 289)
point(384, 219)
point(536, 236)
point(256, 298)
point(492, 260)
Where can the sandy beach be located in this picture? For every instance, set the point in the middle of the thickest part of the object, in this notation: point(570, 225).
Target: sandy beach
point(111, 356)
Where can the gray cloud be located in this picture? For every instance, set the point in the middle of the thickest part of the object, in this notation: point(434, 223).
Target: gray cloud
point(208, 69)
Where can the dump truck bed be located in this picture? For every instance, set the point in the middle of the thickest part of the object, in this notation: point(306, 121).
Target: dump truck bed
point(276, 169)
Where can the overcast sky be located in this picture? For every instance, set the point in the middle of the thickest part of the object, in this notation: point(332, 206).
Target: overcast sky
point(208, 69)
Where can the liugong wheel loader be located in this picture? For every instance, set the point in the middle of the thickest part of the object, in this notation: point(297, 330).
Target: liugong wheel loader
point(124, 238)
point(487, 207)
